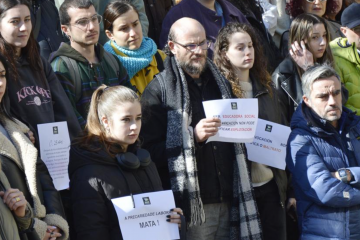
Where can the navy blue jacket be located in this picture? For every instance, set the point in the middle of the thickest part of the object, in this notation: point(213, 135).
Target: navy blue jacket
point(327, 207)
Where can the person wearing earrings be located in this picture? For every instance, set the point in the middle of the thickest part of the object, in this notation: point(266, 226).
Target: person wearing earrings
point(239, 57)
point(106, 162)
point(137, 53)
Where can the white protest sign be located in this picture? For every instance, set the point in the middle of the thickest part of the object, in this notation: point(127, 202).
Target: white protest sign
point(269, 145)
point(238, 119)
point(54, 151)
point(148, 219)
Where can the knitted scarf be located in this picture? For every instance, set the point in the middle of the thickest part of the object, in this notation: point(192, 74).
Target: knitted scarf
point(134, 60)
point(245, 223)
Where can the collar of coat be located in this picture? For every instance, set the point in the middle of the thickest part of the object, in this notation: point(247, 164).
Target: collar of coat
point(24, 154)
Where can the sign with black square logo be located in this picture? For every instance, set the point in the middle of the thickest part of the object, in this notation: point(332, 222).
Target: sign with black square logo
point(146, 201)
point(55, 130)
point(234, 106)
point(268, 128)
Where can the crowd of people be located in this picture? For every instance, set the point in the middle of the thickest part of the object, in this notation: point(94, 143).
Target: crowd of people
point(130, 77)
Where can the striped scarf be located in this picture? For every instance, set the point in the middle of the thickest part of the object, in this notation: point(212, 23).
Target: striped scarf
point(134, 60)
point(245, 223)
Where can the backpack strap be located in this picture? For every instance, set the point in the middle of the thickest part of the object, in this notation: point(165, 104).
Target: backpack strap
point(110, 59)
point(74, 72)
point(159, 61)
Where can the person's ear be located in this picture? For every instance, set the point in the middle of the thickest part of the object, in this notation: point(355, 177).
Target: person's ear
point(105, 122)
point(109, 34)
point(306, 100)
point(171, 45)
point(66, 30)
point(343, 30)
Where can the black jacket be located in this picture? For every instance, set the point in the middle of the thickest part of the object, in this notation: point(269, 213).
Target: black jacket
point(269, 110)
point(214, 159)
point(50, 35)
point(96, 178)
point(288, 87)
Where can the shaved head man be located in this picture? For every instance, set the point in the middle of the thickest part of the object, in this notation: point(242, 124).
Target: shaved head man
point(175, 130)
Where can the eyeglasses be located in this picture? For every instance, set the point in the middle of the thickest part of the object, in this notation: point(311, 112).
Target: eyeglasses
point(192, 47)
point(84, 23)
point(312, 1)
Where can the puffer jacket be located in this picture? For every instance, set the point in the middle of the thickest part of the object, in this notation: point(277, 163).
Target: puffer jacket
point(10, 224)
point(288, 87)
point(347, 65)
point(95, 178)
point(327, 207)
point(26, 172)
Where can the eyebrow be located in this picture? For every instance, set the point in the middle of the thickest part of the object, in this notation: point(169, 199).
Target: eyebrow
point(85, 17)
point(327, 93)
point(28, 16)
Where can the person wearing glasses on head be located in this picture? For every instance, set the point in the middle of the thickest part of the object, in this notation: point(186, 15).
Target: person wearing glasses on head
point(317, 7)
point(346, 53)
point(137, 53)
point(83, 64)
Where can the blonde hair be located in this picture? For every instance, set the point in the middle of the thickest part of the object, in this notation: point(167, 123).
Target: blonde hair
point(104, 101)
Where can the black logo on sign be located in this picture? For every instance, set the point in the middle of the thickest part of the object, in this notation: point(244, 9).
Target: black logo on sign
point(234, 106)
point(146, 200)
point(55, 130)
point(268, 128)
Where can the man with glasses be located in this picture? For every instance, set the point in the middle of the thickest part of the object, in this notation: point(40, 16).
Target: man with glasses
point(83, 65)
point(175, 130)
point(346, 52)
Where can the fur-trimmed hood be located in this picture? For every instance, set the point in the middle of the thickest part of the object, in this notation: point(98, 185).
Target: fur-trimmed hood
point(23, 153)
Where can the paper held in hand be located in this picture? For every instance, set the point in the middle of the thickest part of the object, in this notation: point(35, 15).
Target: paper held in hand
point(238, 119)
point(269, 145)
point(54, 151)
point(148, 219)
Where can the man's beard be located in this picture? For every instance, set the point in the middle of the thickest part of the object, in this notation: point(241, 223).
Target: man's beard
point(191, 68)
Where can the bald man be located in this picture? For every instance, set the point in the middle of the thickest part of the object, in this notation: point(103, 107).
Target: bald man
point(202, 175)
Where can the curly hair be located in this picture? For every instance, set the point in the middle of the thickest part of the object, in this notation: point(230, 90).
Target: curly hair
point(301, 28)
point(258, 71)
point(294, 7)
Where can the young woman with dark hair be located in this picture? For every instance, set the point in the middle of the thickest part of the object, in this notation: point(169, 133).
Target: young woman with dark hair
point(35, 93)
point(106, 162)
point(239, 56)
point(138, 54)
point(28, 177)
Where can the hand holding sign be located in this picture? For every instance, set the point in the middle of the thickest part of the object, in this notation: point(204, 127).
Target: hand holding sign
point(206, 128)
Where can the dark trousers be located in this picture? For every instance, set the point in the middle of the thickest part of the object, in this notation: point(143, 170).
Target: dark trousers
point(272, 212)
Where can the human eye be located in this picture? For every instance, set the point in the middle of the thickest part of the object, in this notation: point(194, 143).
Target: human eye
point(191, 46)
point(123, 28)
point(139, 118)
point(125, 119)
point(82, 22)
point(14, 21)
point(27, 19)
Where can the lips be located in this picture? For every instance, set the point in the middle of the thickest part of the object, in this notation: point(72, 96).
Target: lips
point(317, 9)
point(92, 35)
point(248, 60)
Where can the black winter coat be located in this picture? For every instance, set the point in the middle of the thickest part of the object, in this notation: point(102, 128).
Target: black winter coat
point(96, 178)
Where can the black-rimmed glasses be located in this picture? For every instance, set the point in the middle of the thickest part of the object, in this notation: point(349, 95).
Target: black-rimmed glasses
point(312, 1)
point(193, 46)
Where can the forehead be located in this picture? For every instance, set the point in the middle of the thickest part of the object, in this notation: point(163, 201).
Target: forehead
point(127, 108)
point(19, 11)
point(240, 37)
point(318, 28)
point(191, 35)
point(326, 84)
point(78, 13)
point(129, 16)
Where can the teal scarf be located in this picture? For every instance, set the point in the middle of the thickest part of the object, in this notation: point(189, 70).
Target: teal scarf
point(136, 59)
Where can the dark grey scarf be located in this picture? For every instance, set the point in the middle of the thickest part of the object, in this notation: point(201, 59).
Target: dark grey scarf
point(245, 223)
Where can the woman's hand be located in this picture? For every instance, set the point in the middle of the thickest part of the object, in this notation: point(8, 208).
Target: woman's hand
point(15, 200)
point(174, 217)
point(52, 233)
point(302, 56)
point(30, 135)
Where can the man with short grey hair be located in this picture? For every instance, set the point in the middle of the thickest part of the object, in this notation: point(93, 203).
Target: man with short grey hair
point(323, 155)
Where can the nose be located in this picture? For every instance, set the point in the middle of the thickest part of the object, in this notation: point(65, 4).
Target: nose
point(133, 125)
point(323, 41)
point(132, 32)
point(91, 25)
point(23, 27)
point(317, 2)
point(331, 100)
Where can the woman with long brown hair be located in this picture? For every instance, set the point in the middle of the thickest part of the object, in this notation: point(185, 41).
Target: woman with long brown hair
point(36, 95)
point(239, 56)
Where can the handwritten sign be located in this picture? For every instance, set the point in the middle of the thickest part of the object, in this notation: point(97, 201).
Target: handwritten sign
point(269, 145)
point(238, 119)
point(148, 219)
point(54, 151)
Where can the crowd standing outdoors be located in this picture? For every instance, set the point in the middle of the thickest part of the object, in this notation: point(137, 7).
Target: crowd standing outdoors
point(129, 78)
